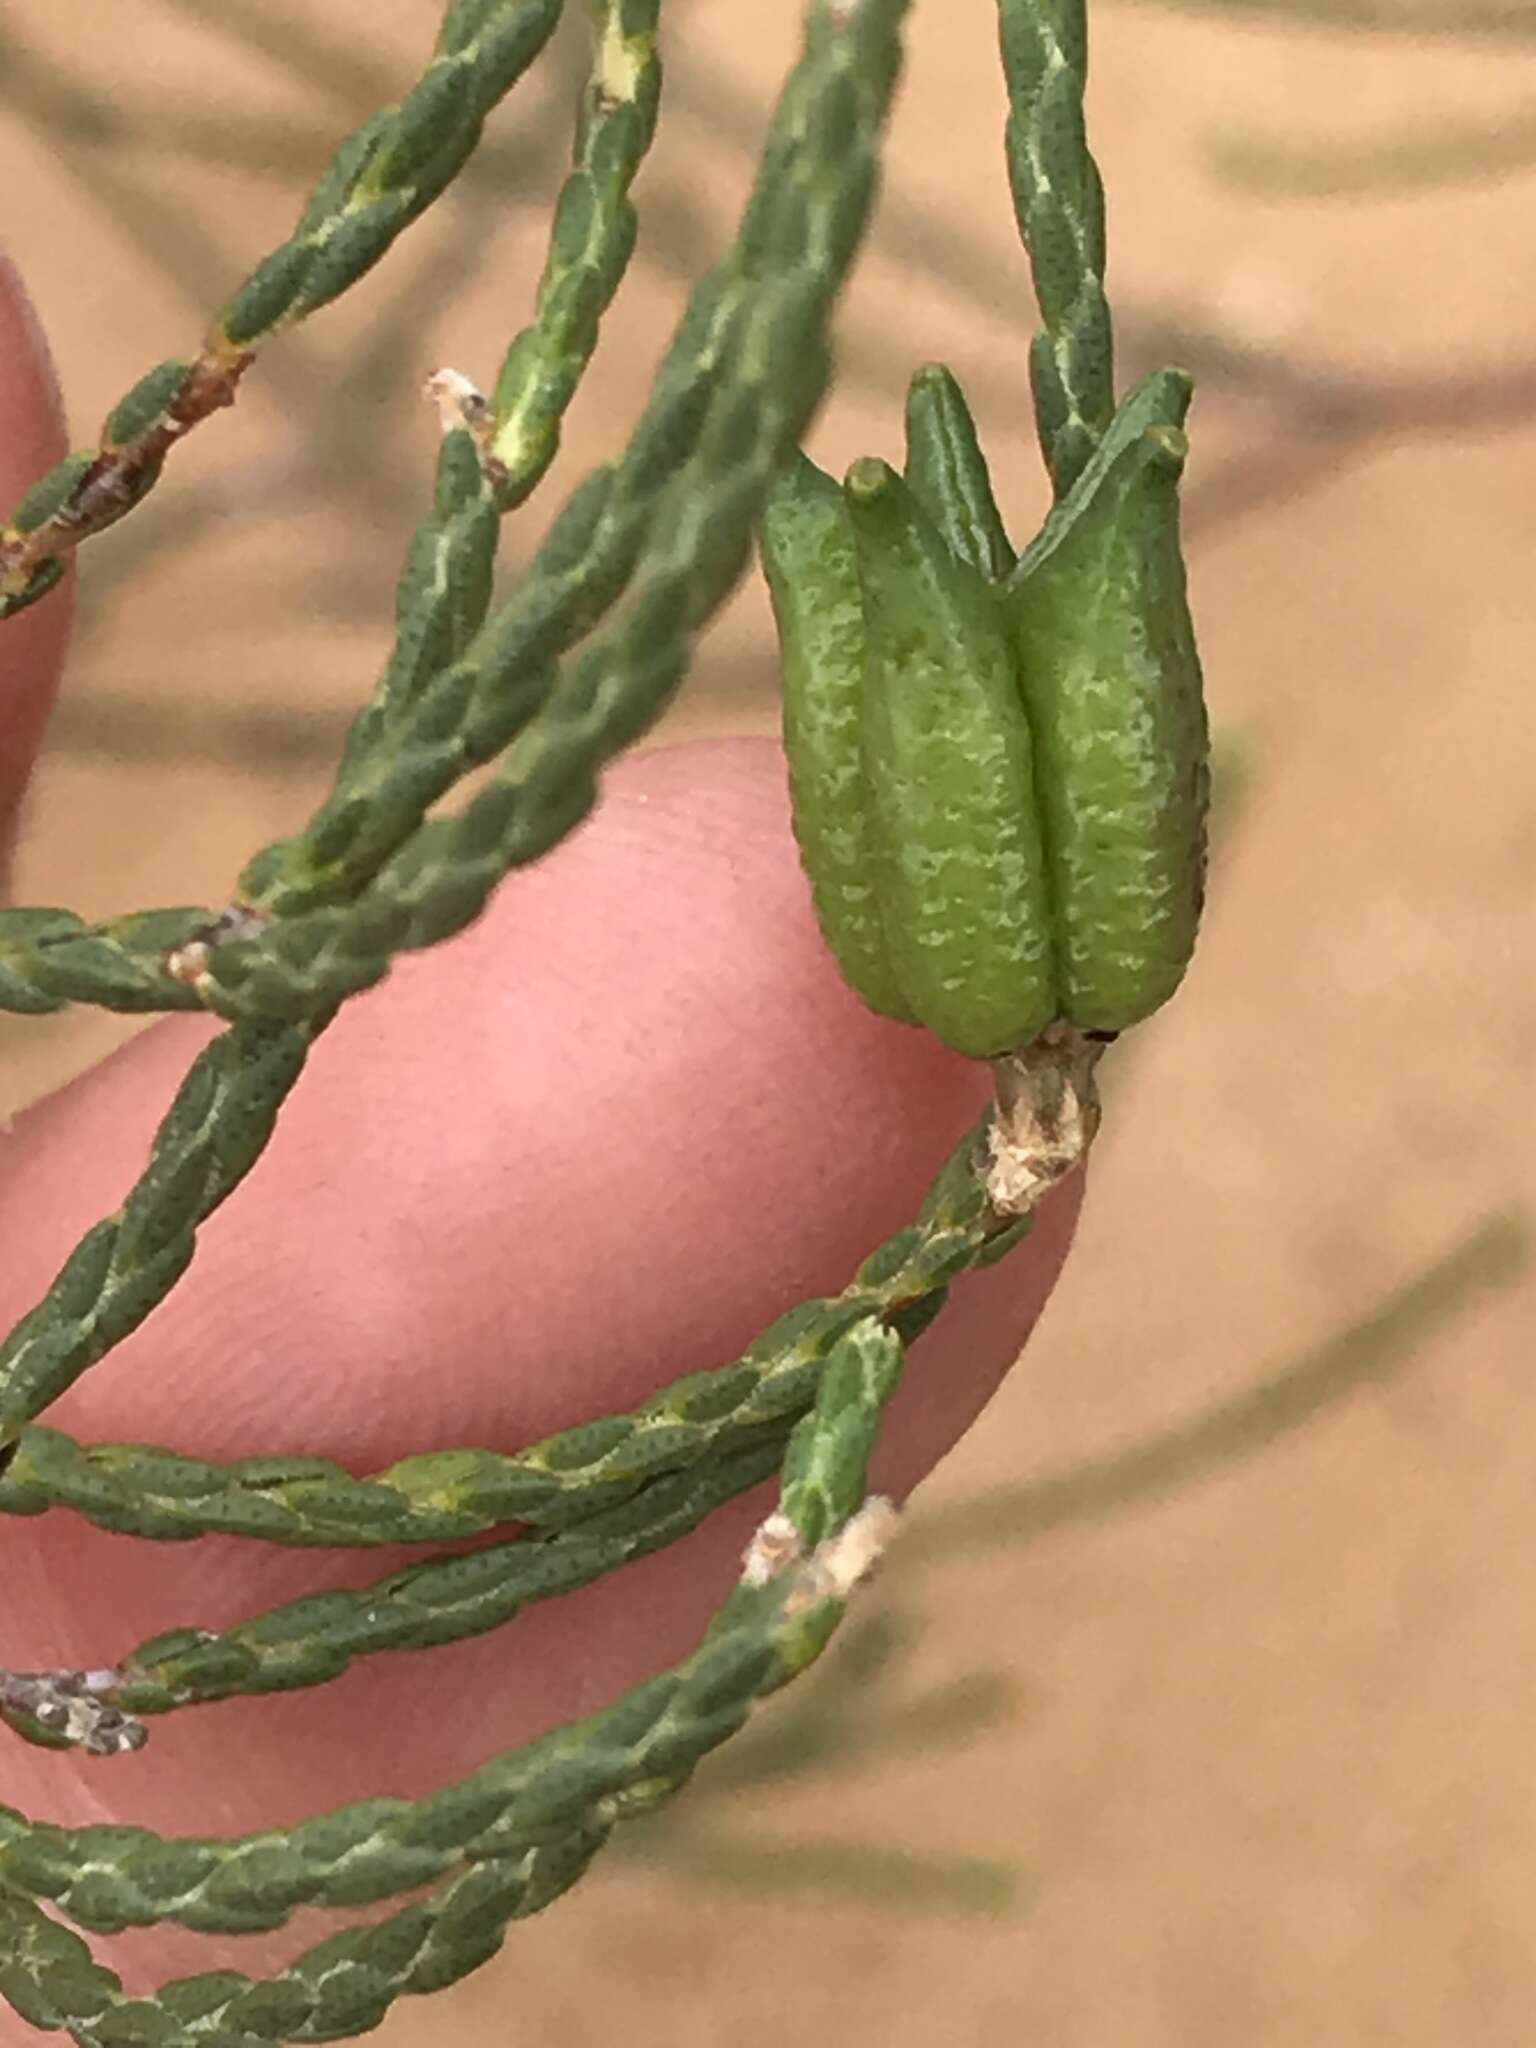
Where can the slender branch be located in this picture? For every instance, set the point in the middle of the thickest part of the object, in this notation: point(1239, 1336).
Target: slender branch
point(383, 176)
point(798, 1574)
point(1059, 203)
point(558, 1483)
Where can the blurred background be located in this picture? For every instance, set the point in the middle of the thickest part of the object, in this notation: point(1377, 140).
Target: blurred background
point(1196, 1705)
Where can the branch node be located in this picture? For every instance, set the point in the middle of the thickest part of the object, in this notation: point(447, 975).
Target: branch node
point(1045, 1115)
point(188, 962)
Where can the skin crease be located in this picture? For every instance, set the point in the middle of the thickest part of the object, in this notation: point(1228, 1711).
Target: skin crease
point(597, 1141)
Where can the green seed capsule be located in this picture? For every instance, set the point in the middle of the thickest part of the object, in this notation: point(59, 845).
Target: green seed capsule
point(947, 472)
point(949, 777)
point(813, 579)
point(1111, 682)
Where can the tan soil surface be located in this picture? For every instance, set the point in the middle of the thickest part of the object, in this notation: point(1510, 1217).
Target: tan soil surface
point(1269, 1777)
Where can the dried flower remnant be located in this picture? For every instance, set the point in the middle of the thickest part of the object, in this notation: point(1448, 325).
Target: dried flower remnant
point(837, 1567)
point(775, 1545)
point(460, 403)
point(71, 1705)
point(188, 962)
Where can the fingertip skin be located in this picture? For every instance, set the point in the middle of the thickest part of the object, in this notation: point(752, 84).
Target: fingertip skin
point(32, 440)
point(1112, 684)
point(950, 779)
point(602, 1138)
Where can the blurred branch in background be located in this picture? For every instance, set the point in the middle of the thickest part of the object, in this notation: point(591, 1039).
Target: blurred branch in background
point(226, 137)
point(1382, 1344)
point(851, 1716)
point(334, 451)
point(302, 42)
point(848, 1723)
point(1514, 20)
point(870, 1873)
point(1327, 419)
point(1421, 158)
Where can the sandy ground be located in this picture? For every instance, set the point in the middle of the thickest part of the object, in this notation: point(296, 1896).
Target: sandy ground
point(1267, 1774)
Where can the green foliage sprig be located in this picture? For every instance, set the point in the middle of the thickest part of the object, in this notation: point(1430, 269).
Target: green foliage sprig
point(526, 1825)
point(733, 396)
point(1058, 198)
point(383, 177)
point(640, 558)
point(540, 691)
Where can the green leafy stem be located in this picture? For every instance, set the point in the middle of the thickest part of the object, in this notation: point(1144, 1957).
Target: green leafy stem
point(537, 690)
point(640, 558)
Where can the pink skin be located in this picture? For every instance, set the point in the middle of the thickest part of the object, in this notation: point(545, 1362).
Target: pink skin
point(597, 1141)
